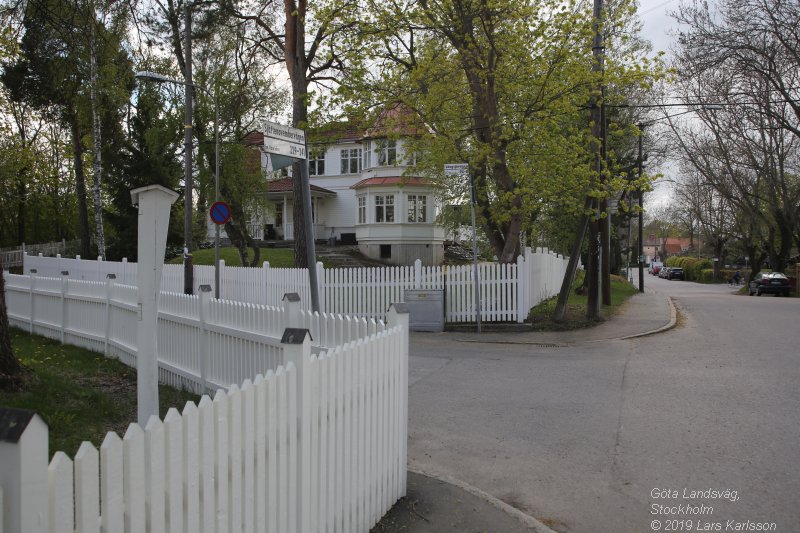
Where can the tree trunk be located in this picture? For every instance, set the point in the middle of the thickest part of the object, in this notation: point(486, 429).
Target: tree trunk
point(294, 54)
point(10, 367)
point(80, 187)
point(97, 149)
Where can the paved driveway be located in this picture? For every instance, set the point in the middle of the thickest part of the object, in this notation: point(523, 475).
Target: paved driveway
point(580, 436)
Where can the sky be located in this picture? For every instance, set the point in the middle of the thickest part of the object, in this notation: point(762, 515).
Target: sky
point(657, 22)
point(657, 25)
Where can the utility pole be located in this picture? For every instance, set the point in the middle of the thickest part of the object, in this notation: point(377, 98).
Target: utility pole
point(641, 211)
point(188, 278)
point(593, 271)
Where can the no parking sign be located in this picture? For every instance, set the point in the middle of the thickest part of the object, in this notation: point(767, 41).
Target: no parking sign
point(220, 213)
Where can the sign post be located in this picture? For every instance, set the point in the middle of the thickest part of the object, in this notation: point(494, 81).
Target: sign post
point(286, 146)
point(462, 170)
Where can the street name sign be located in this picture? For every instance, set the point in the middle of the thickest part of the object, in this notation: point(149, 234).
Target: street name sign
point(284, 144)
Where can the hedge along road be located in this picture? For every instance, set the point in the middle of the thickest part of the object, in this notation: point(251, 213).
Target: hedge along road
point(579, 436)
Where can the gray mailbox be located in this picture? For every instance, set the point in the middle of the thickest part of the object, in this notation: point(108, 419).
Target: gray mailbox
point(426, 309)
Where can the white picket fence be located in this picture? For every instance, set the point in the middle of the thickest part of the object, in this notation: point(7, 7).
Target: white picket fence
point(309, 442)
point(507, 291)
point(192, 330)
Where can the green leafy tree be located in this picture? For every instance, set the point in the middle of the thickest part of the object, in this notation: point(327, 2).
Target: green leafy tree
point(63, 49)
point(504, 87)
point(149, 158)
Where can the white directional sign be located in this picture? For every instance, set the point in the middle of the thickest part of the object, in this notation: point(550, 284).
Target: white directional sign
point(283, 140)
point(455, 169)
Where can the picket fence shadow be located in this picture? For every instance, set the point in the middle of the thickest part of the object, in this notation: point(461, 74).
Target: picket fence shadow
point(313, 439)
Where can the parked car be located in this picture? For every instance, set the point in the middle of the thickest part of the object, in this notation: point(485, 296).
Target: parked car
point(663, 272)
point(675, 273)
point(770, 283)
point(654, 267)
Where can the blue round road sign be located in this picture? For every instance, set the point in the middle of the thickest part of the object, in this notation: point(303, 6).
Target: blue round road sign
point(220, 213)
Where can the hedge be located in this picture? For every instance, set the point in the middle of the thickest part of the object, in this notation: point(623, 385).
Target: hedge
point(693, 267)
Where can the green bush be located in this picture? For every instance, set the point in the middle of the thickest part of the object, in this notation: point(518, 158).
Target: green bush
point(692, 266)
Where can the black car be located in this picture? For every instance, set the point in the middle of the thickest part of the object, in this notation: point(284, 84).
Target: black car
point(770, 283)
point(675, 273)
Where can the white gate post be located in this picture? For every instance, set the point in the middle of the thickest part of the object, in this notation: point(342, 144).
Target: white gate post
point(154, 203)
point(297, 351)
point(398, 315)
point(23, 471)
point(418, 274)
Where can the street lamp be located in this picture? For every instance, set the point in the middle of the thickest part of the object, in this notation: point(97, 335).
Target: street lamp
point(187, 218)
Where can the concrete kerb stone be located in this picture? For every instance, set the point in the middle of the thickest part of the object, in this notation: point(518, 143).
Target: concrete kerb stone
point(673, 321)
point(526, 519)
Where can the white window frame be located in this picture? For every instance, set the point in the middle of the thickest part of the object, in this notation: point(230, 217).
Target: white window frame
point(350, 160)
point(417, 208)
point(362, 209)
point(384, 208)
point(386, 150)
point(315, 161)
point(367, 155)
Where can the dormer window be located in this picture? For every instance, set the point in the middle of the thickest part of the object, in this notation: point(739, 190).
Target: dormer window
point(386, 151)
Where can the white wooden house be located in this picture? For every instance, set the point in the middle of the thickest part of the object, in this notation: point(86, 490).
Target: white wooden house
point(362, 193)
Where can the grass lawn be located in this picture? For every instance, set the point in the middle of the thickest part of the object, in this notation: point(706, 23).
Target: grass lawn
point(277, 257)
point(80, 394)
point(575, 317)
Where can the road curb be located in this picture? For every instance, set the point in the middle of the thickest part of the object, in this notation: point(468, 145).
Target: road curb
point(526, 519)
point(673, 321)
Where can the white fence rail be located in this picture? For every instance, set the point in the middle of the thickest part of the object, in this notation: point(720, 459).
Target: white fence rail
point(507, 291)
point(203, 344)
point(309, 442)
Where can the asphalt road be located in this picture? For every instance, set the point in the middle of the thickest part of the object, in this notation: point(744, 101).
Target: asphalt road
point(589, 437)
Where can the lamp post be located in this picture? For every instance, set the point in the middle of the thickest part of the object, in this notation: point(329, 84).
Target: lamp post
point(187, 218)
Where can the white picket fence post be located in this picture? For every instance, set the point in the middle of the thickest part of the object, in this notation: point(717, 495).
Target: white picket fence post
point(523, 282)
point(24, 475)
point(297, 353)
point(222, 283)
point(32, 289)
point(417, 274)
point(64, 315)
point(321, 286)
point(398, 315)
point(264, 280)
point(291, 310)
point(110, 280)
point(205, 299)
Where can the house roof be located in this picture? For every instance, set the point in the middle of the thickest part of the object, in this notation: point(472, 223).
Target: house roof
point(390, 181)
point(673, 248)
point(397, 119)
point(284, 185)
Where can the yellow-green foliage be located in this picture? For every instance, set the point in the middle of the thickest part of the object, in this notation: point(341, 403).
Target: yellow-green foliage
point(693, 267)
